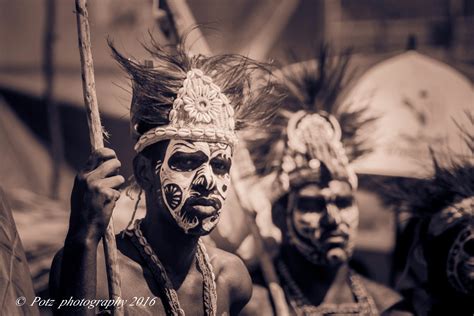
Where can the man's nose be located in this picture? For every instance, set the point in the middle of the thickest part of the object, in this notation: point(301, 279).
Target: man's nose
point(331, 217)
point(204, 180)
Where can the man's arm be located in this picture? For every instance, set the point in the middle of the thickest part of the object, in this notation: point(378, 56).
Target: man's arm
point(92, 201)
point(69, 279)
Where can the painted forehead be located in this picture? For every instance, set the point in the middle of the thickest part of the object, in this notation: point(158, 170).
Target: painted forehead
point(336, 186)
point(210, 149)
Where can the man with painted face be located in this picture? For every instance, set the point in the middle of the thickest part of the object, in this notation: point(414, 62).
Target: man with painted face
point(304, 157)
point(184, 114)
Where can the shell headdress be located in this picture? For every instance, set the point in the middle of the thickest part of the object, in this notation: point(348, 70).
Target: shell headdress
point(195, 97)
point(200, 112)
point(313, 132)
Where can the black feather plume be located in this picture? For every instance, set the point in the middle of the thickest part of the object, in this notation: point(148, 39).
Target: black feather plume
point(245, 82)
point(315, 86)
point(453, 181)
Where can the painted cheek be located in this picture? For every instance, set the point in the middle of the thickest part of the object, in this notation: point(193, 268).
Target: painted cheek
point(350, 216)
point(306, 223)
point(158, 166)
point(223, 183)
point(175, 187)
point(173, 195)
point(182, 179)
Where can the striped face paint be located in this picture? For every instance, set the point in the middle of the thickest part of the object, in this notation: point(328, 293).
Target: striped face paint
point(322, 222)
point(457, 218)
point(194, 183)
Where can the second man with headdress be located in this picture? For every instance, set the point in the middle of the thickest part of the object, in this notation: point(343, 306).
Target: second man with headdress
point(304, 161)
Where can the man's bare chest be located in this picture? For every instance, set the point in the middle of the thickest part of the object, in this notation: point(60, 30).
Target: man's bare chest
point(142, 295)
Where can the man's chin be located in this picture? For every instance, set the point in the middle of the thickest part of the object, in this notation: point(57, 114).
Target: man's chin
point(197, 231)
point(336, 256)
point(203, 229)
point(206, 223)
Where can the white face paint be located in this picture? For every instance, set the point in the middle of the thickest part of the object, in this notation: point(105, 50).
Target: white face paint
point(194, 183)
point(323, 222)
point(460, 261)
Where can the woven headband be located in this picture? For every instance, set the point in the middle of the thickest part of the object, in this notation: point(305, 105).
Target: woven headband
point(201, 112)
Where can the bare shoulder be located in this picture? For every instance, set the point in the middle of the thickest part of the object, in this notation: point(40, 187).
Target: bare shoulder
point(231, 272)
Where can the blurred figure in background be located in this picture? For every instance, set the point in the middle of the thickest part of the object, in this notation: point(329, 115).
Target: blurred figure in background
point(439, 272)
point(304, 157)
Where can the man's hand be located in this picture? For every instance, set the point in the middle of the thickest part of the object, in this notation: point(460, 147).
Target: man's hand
point(93, 196)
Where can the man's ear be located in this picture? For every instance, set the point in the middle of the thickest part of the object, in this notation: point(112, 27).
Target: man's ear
point(143, 171)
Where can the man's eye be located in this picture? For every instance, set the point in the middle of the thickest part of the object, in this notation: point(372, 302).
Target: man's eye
point(184, 162)
point(183, 165)
point(307, 204)
point(187, 163)
point(220, 167)
point(344, 202)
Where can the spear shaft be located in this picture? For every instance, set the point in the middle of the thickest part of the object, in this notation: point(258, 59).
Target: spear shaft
point(96, 139)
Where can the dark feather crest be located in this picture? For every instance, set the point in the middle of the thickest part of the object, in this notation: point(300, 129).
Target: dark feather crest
point(449, 185)
point(453, 181)
point(315, 87)
point(245, 82)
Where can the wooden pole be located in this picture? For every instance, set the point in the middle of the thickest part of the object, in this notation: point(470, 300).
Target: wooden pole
point(97, 141)
point(55, 133)
point(263, 39)
point(183, 23)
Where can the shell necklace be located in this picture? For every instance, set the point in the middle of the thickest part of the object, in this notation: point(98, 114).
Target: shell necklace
point(364, 305)
point(168, 294)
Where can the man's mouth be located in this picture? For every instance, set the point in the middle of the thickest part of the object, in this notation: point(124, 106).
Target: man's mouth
point(207, 206)
point(209, 210)
point(334, 238)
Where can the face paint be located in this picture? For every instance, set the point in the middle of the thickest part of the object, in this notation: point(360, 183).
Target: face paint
point(323, 221)
point(194, 182)
point(460, 260)
point(460, 263)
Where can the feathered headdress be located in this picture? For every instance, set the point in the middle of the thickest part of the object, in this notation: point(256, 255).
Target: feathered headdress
point(195, 97)
point(448, 186)
point(177, 95)
point(313, 130)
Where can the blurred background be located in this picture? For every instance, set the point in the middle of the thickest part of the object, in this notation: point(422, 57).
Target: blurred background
point(414, 63)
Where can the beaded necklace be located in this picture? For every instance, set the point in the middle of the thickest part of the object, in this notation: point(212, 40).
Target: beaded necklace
point(364, 305)
point(169, 296)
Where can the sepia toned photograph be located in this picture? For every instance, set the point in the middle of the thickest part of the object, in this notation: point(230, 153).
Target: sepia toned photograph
point(237, 157)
